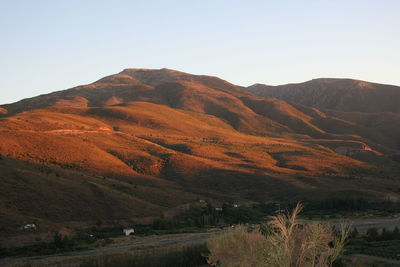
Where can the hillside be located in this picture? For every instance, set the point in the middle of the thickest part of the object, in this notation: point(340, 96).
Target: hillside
point(141, 142)
point(345, 95)
point(372, 108)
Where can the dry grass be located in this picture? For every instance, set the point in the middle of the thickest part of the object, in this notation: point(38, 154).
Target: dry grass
point(237, 248)
point(289, 243)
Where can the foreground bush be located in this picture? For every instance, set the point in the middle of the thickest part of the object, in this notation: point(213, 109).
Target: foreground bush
point(237, 248)
point(287, 243)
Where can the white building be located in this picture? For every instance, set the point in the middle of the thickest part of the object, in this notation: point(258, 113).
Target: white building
point(129, 231)
point(29, 226)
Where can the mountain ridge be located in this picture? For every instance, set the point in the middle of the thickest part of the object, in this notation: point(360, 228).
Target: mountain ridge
point(335, 94)
point(157, 139)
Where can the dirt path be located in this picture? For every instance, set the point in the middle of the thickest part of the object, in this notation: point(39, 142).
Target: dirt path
point(68, 131)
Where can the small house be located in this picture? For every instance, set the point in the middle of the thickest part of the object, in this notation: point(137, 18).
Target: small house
point(129, 231)
point(29, 226)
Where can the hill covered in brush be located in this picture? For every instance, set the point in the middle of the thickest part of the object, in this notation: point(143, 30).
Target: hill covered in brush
point(345, 95)
point(373, 107)
point(141, 142)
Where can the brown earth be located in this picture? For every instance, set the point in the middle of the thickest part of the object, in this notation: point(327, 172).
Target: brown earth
point(140, 142)
point(368, 109)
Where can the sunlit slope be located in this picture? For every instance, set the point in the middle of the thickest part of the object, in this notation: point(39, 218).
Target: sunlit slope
point(161, 143)
point(201, 94)
point(101, 140)
point(144, 141)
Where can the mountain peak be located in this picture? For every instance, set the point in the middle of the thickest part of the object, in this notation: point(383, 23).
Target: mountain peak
point(155, 77)
point(133, 71)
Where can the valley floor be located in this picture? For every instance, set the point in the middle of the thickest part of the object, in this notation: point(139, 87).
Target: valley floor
point(133, 244)
point(120, 245)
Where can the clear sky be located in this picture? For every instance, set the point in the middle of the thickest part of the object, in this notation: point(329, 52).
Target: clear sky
point(52, 45)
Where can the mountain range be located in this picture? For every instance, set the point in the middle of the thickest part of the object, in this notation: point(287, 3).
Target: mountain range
point(142, 142)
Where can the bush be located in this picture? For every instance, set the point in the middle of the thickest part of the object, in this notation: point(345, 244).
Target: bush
point(354, 233)
point(237, 248)
point(286, 243)
point(291, 243)
point(372, 234)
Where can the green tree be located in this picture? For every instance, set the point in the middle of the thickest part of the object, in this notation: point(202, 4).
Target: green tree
point(354, 233)
point(372, 234)
point(396, 233)
point(57, 240)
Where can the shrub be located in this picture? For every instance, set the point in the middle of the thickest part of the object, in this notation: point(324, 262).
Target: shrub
point(372, 234)
point(237, 248)
point(396, 233)
point(291, 243)
point(286, 243)
point(354, 233)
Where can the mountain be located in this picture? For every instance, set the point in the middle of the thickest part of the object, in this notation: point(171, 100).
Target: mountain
point(345, 95)
point(140, 143)
point(373, 107)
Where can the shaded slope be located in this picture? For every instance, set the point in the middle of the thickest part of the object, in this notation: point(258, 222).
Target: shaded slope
point(349, 106)
point(336, 94)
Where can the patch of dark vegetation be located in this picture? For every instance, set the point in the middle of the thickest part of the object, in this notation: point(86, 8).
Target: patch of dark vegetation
point(375, 242)
point(249, 166)
point(282, 161)
point(183, 148)
point(196, 219)
point(304, 179)
point(179, 147)
point(83, 241)
point(342, 207)
point(234, 155)
point(110, 113)
point(193, 255)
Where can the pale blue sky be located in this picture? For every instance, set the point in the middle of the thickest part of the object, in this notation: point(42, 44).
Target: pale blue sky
point(52, 45)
